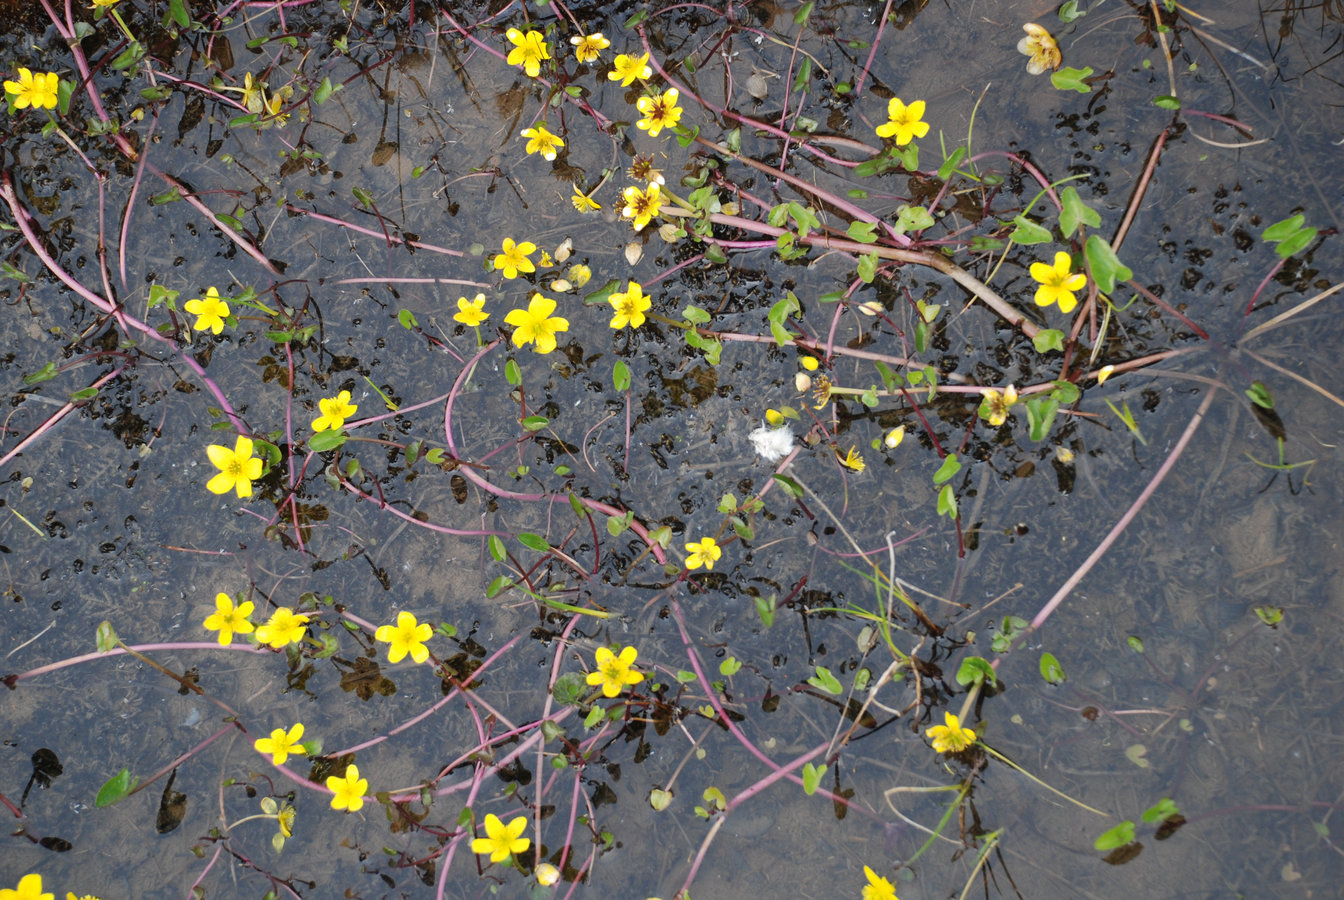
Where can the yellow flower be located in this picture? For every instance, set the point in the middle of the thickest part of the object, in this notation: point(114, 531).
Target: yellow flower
point(283, 628)
point(629, 307)
point(105, 3)
point(628, 68)
point(660, 111)
point(581, 274)
point(30, 886)
point(348, 789)
point(774, 418)
point(252, 93)
point(514, 258)
point(904, 121)
point(582, 202)
point(545, 261)
point(852, 460)
point(536, 324)
point(1058, 282)
point(210, 311)
point(1041, 47)
point(68, 894)
point(284, 818)
point(547, 874)
point(542, 141)
point(281, 745)
point(994, 406)
point(227, 618)
point(642, 206)
point(407, 636)
point(501, 840)
point(588, 46)
point(952, 737)
point(273, 104)
point(335, 411)
point(810, 363)
point(877, 888)
point(528, 50)
point(704, 553)
point(613, 672)
point(642, 169)
point(894, 437)
point(238, 468)
point(37, 91)
point(471, 312)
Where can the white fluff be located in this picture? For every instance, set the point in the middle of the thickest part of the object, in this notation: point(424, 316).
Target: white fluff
point(772, 443)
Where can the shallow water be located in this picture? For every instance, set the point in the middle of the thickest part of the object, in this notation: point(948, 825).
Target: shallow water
point(109, 518)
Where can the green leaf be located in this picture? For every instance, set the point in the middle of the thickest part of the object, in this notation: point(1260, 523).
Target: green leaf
point(912, 218)
point(1166, 101)
point(87, 393)
point(569, 688)
point(1135, 643)
point(863, 232)
point(324, 91)
point(695, 315)
point(620, 376)
point(950, 467)
point(950, 164)
point(116, 788)
point(408, 320)
point(1065, 391)
point(533, 541)
point(1075, 212)
point(909, 157)
point(46, 373)
point(976, 669)
point(499, 584)
point(947, 502)
point(868, 267)
point(1296, 243)
point(1069, 11)
point(1040, 416)
point(1028, 232)
point(1270, 615)
point(1291, 235)
point(1048, 339)
point(13, 273)
point(1008, 630)
point(793, 487)
point(1284, 229)
point(765, 608)
point(1051, 670)
point(800, 17)
point(825, 681)
point(804, 76)
point(496, 546)
point(535, 423)
point(789, 306)
point(363, 196)
point(1118, 836)
point(1105, 265)
point(1162, 809)
point(105, 638)
point(326, 440)
point(812, 778)
point(730, 666)
point(602, 295)
point(178, 10)
point(1069, 78)
point(512, 374)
